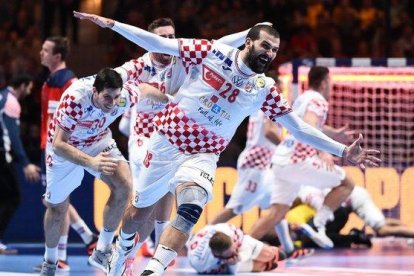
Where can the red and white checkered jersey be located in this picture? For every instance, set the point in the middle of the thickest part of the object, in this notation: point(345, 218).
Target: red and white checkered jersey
point(86, 123)
point(259, 150)
point(291, 150)
point(199, 253)
point(218, 93)
point(167, 79)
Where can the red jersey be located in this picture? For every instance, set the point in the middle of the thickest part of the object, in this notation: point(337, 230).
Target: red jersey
point(52, 90)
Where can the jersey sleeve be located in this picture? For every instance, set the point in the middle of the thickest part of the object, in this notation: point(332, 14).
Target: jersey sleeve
point(131, 70)
point(319, 107)
point(275, 105)
point(193, 51)
point(131, 95)
point(69, 112)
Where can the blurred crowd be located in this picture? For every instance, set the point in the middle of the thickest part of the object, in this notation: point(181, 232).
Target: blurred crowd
point(309, 28)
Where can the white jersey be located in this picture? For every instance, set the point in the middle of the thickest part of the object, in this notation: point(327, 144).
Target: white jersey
point(215, 98)
point(167, 79)
point(77, 114)
point(259, 150)
point(291, 150)
point(200, 255)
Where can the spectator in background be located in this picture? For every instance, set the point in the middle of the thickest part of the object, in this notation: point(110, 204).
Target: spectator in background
point(12, 152)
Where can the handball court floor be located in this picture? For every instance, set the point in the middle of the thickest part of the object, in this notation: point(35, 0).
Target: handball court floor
point(387, 257)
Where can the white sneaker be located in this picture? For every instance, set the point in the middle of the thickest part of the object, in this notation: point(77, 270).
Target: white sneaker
point(100, 259)
point(317, 235)
point(117, 264)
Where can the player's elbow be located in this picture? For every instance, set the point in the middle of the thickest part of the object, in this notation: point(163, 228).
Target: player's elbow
point(57, 146)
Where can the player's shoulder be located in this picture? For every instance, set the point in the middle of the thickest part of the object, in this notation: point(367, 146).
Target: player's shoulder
point(61, 77)
point(81, 89)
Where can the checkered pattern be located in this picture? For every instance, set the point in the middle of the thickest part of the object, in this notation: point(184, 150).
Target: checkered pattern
point(68, 108)
point(302, 151)
point(88, 141)
point(257, 157)
point(193, 51)
point(320, 108)
point(134, 68)
point(143, 124)
point(274, 105)
point(133, 92)
point(188, 136)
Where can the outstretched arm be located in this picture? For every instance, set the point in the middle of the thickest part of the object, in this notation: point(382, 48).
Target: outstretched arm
point(354, 154)
point(236, 40)
point(149, 41)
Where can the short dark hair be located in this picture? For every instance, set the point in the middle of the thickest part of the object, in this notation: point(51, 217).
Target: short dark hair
point(160, 22)
point(316, 75)
point(107, 78)
point(220, 242)
point(21, 78)
point(254, 33)
point(61, 46)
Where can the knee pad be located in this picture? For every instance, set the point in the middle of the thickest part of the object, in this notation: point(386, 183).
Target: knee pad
point(190, 201)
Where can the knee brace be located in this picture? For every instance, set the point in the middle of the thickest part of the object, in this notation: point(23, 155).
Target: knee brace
point(190, 202)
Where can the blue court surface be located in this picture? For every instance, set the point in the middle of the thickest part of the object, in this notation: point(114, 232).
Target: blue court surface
point(387, 257)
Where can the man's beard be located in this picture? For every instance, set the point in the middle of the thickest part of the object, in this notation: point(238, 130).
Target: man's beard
point(163, 58)
point(255, 63)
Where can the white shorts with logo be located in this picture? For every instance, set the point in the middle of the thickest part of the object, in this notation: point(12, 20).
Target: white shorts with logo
point(288, 179)
point(63, 176)
point(165, 167)
point(137, 148)
point(363, 205)
point(250, 191)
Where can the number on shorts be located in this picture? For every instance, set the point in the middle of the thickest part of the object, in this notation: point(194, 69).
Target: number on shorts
point(147, 159)
point(251, 187)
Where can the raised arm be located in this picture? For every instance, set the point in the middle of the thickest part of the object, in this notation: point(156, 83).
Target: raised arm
point(147, 40)
point(354, 154)
point(236, 40)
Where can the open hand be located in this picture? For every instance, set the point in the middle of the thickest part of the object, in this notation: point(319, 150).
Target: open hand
point(104, 164)
point(32, 173)
point(344, 135)
point(102, 22)
point(356, 155)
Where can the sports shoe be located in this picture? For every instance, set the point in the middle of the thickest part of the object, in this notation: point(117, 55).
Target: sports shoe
point(147, 250)
point(7, 250)
point(100, 259)
point(117, 264)
point(148, 272)
point(48, 269)
point(129, 267)
point(300, 253)
point(317, 235)
point(62, 266)
point(92, 245)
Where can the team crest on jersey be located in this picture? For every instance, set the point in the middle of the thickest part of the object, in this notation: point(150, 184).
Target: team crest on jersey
point(238, 81)
point(212, 78)
point(249, 87)
point(122, 102)
point(260, 82)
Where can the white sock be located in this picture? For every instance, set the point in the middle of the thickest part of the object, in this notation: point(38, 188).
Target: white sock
point(134, 250)
point(125, 241)
point(159, 226)
point(323, 215)
point(83, 231)
point(282, 230)
point(162, 258)
point(105, 240)
point(63, 241)
point(51, 254)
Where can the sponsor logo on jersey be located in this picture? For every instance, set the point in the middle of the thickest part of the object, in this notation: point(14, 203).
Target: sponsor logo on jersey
point(260, 82)
point(110, 147)
point(122, 102)
point(114, 112)
point(207, 176)
point(249, 87)
point(85, 124)
point(221, 56)
point(150, 70)
point(237, 80)
point(216, 108)
point(212, 78)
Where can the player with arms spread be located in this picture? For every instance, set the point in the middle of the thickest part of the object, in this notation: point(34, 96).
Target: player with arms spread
point(223, 86)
